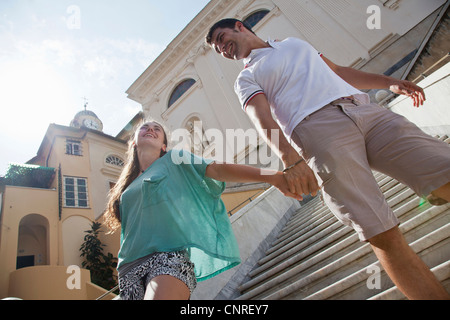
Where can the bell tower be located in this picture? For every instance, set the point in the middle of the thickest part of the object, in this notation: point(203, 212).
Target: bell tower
point(87, 118)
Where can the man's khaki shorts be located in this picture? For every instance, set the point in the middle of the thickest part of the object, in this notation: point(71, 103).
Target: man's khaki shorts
point(344, 141)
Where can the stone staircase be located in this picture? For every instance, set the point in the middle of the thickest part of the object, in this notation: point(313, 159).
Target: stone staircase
point(316, 257)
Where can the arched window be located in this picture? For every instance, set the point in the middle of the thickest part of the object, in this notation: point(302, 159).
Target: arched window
point(255, 17)
point(115, 161)
point(180, 90)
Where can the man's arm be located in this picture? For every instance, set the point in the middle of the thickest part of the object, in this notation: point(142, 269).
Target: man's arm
point(300, 178)
point(364, 80)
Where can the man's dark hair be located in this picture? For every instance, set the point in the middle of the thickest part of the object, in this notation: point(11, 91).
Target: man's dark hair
point(229, 23)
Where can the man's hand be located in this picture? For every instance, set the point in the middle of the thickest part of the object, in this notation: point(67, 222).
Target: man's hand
point(278, 181)
point(365, 81)
point(301, 180)
point(409, 89)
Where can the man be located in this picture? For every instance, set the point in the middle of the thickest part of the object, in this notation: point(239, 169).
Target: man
point(333, 138)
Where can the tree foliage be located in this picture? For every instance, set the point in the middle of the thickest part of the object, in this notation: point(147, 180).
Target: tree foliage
point(24, 175)
point(101, 266)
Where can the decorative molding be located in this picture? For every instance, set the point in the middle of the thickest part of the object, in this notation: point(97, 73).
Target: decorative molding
point(242, 10)
point(191, 36)
point(167, 111)
point(276, 12)
point(111, 172)
point(390, 4)
point(383, 44)
point(358, 63)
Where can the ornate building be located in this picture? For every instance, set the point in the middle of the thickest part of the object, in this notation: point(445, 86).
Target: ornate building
point(191, 84)
point(189, 87)
point(50, 202)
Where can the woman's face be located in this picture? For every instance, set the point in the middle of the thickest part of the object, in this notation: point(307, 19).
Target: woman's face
point(150, 135)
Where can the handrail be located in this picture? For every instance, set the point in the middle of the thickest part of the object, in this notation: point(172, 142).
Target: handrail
point(245, 201)
point(110, 291)
point(423, 75)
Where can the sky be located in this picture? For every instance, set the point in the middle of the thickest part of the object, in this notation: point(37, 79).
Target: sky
point(54, 54)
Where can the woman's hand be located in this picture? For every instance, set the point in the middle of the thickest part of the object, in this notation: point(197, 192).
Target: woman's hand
point(242, 173)
point(278, 180)
point(301, 180)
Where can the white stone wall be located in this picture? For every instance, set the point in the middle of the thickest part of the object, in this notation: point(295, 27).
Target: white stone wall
point(434, 116)
point(336, 28)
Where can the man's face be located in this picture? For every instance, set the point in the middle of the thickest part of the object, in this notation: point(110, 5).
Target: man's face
point(229, 43)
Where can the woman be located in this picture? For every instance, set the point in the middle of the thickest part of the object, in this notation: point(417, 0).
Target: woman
point(168, 205)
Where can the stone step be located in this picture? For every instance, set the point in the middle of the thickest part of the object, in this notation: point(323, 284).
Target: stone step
point(316, 257)
point(279, 262)
point(332, 263)
point(304, 285)
point(442, 273)
point(331, 231)
point(361, 276)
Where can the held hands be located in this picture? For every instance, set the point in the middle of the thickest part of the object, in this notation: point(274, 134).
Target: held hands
point(278, 181)
point(409, 89)
point(301, 180)
point(297, 181)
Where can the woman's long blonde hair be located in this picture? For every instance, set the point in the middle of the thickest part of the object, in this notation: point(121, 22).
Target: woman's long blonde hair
point(130, 172)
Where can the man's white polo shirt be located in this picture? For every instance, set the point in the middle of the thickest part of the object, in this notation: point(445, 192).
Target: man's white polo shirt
point(295, 80)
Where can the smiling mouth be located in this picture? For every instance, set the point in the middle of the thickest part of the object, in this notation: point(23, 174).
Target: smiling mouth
point(149, 135)
point(230, 49)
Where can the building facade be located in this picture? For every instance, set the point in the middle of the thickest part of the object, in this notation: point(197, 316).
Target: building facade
point(189, 87)
point(49, 203)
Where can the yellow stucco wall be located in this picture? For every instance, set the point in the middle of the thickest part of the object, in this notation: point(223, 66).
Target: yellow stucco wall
point(54, 283)
point(237, 200)
point(31, 224)
point(38, 208)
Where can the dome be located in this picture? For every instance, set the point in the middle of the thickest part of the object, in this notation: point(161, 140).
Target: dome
point(85, 113)
point(87, 119)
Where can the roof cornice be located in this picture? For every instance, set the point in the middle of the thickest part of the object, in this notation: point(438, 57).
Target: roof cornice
point(188, 43)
